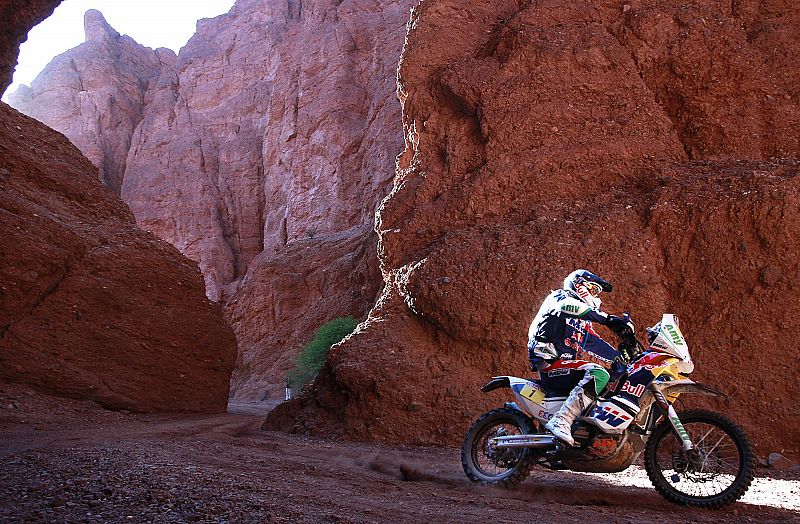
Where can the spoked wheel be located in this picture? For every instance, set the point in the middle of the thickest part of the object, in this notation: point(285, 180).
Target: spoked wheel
point(716, 473)
point(483, 462)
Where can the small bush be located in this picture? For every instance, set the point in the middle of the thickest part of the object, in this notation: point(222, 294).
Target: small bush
point(313, 354)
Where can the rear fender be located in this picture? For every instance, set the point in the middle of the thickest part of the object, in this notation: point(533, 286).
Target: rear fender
point(496, 383)
point(529, 394)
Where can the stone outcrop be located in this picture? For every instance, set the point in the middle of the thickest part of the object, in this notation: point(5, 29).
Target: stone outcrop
point(92, 307)
point(332, 132)
point(18, 18)
point(94, 94)
point(649, 141)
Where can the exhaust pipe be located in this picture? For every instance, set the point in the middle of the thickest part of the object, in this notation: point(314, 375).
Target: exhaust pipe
point(523, 441)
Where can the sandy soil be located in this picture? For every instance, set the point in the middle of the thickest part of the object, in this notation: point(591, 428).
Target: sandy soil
point(76, 463)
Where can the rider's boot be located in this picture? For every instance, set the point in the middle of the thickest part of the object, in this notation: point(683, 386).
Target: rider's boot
point(560, 424)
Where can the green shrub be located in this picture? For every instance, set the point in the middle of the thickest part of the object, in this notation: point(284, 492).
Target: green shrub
point(313, 354)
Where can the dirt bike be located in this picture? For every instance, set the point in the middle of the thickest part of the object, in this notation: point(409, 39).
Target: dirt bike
point(695, 458)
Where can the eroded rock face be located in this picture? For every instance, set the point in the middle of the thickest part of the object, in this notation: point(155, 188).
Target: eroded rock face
point(94, 94)
point(274, 133)
point(18, 18)
point(92, 307)
point(553, 135)
point(332, 131)
point(286, 297)
point(278, 123)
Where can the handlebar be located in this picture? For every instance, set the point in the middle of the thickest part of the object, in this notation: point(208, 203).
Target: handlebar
point(629, 346)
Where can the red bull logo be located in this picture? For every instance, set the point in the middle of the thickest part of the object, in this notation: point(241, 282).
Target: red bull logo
point(636, 390)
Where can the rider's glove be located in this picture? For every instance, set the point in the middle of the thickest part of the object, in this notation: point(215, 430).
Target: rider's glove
point(618, 368)
point(620, 325)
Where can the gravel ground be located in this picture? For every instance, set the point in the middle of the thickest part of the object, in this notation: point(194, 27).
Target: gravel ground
point(79, 464)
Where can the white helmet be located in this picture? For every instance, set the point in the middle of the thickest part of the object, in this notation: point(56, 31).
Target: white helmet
point(587, 286)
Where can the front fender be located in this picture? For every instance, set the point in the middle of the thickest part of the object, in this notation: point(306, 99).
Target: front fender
point(671, 389)
point(686, 385)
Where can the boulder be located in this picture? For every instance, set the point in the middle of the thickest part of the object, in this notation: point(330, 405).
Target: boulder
point(286, 297)
point(779, 462)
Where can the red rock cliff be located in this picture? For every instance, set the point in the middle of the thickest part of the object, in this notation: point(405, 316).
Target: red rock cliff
point(92, 307)
point(651, 142)
point(94, 94)
point(273, 135)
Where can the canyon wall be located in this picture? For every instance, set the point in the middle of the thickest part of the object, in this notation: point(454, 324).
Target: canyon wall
point(272, 134)
point(331, 135)
point(651, 142)
point(92, 307)
point(94, 94)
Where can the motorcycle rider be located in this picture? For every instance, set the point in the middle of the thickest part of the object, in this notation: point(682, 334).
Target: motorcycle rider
point(569, 355)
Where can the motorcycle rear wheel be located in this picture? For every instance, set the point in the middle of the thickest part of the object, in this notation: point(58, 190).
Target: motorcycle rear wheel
point(497, 467)
point(718, 475)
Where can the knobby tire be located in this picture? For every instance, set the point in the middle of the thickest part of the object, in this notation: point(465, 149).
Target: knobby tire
point(744, 474)
point(469, 452)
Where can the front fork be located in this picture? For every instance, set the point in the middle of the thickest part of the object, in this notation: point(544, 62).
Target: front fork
point(672, 416)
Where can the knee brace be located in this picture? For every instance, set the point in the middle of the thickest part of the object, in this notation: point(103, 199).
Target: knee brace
point(595, 381)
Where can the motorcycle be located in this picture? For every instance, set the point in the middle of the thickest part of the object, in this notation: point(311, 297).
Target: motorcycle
point(695, 458)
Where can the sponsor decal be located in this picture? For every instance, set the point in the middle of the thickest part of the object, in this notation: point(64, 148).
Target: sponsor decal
point(594, 357)
point(661, 400)
point(577, 324)
point(568, 363)
point(610, 416)
point(636, 390)
point(570, 308)
point(674, 334)
point(544, 414)
point(602, 448)
point(649, 362)
point(557, 372)
point(531, 393)
point(676, 423)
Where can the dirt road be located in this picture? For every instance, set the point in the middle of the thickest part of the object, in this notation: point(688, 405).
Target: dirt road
point(113, 467)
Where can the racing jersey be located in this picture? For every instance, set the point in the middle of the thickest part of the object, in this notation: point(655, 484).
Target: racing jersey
point(562, 330)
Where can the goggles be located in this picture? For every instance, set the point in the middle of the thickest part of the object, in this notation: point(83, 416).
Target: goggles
point(593, 288)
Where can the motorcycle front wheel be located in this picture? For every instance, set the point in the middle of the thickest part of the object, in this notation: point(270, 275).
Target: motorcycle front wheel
point(483, 462)
point(716, 473)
